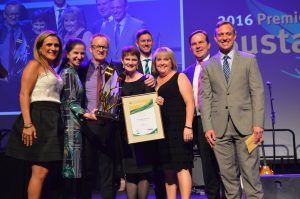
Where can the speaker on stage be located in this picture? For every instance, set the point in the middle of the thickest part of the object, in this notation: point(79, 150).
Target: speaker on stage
point(281, 186)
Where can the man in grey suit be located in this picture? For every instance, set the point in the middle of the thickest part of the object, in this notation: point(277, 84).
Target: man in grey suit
point(232, 111)
point(122, 30)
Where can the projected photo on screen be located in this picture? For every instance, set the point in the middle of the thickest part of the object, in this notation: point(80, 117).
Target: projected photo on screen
point(22, 21)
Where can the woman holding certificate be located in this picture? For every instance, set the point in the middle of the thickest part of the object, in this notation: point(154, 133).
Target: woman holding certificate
point(137, 171)
point(175, 152)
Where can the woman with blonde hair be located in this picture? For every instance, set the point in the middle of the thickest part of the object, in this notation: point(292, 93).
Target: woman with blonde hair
point(74, 26)
point(37, 134)
point(175, 152)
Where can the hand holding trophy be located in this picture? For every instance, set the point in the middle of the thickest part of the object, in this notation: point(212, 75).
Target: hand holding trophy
point(109, 95)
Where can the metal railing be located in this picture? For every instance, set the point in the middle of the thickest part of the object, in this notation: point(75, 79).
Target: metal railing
point(288, 156)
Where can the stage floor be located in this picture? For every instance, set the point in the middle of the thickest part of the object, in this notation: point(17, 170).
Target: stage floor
point(122, 195)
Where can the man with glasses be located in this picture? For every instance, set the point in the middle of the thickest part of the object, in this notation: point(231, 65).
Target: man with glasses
point(13, 43)
point(99, 135)
point(14, 54)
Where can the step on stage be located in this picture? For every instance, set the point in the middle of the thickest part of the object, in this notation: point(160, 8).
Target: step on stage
point(282, 186)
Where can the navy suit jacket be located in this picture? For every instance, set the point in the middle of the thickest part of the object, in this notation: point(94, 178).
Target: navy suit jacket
point(97, 25)
point(127, 37)
point(51, 20)
point(190, 71)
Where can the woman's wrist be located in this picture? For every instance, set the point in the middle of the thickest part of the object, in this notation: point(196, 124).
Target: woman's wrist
point(27, 125)
point(188, 127)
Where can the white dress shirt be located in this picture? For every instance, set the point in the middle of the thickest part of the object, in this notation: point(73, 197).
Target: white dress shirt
point(198, 69)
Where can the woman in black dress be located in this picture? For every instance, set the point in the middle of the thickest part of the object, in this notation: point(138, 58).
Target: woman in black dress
point(134, 155)
point(175, 152)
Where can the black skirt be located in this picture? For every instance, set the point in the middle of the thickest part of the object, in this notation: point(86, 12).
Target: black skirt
point(48, 146)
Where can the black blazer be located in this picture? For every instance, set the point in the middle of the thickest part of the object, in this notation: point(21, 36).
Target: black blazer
point(153, 72)
point(190, 71)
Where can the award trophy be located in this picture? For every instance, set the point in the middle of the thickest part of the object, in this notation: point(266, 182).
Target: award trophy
point(109, 95)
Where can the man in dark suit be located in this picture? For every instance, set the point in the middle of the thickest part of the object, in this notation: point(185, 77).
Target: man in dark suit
point(98, 136)
point(13, 42)
point(232, 110)
point(104, 10)
point(199, 45)
point(54, 16)
point(122, 30)
point(14, 54)
point(144, 42)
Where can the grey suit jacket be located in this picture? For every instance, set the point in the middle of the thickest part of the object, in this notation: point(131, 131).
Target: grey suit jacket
point(127, 37)
point(242, 97)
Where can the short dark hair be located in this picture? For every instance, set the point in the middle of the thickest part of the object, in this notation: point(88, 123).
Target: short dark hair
point(124, 1)
point(70, 45)
point(196, 32)
point(130, 50)
point(12, 3)
point(142, 32)
point(39, 15)
point(221, 23)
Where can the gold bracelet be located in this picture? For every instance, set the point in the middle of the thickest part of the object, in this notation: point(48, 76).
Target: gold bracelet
point(27, 126)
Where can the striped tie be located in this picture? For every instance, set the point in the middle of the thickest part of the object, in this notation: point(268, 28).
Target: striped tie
point(147, 68)
point(226, 68)
point(12, 51)
point(60, 28)
point(117, 34)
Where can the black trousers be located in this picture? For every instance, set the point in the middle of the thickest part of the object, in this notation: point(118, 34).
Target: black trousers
point(210, 166)
point(159, 183)
point(98, 152)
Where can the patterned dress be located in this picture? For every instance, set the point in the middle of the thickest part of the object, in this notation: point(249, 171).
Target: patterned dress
point(71, 98)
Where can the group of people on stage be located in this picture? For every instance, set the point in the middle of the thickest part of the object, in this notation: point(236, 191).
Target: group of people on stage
point(217, 103)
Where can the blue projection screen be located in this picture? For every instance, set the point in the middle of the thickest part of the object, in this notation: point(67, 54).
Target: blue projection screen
point(268, 29)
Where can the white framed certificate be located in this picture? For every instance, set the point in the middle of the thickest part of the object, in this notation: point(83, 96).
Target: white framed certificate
point(142, 118)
